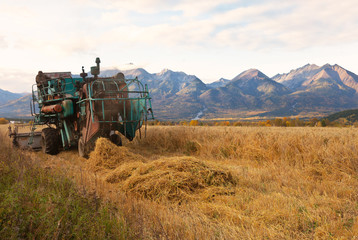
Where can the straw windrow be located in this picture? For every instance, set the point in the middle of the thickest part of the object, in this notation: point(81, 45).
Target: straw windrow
point(107, 155)
point(175, 179)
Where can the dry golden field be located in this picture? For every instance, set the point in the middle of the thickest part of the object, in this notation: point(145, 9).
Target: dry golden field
point(226, 182)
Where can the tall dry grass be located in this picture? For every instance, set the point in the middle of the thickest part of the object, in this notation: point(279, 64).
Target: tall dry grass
point(291, 182)
point(38, 204)
point(228, 182)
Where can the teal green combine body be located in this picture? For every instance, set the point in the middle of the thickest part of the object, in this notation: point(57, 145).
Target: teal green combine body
point(80, 110)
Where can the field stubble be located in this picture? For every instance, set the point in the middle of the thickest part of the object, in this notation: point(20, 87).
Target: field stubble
point(228, 182)
point(245, 182)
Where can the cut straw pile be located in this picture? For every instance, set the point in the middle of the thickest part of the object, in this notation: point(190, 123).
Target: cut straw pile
point(176, 179)
point(107, 155)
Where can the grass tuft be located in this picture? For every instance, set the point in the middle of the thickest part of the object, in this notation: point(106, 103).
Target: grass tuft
point(38, 204)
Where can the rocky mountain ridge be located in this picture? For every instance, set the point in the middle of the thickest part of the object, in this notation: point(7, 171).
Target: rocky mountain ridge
point(308, 90)
point(6, 96)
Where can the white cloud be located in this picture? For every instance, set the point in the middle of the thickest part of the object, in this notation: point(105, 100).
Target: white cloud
point(16, 80)
point(140, 6)
point(51, 34)
point(3, 43)
point(289, 25)
point(198, 7)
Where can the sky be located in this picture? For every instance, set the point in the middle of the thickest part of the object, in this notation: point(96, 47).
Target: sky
point(211, 39)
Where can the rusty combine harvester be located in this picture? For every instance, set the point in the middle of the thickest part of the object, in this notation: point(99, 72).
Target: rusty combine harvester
point(77, 111)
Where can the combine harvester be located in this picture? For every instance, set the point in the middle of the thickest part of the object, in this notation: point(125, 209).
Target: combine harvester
point(77, 111)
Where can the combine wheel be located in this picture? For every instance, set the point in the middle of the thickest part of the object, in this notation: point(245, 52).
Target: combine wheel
point(50, 141)
point(82, 151)
point(116, 139)
point(15, 144)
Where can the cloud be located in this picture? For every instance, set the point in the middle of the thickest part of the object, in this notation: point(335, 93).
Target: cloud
point(3, 43)
point(140, 6)
point(69, 29)
point(16, 80)
point(260, 26)
point(196, 8)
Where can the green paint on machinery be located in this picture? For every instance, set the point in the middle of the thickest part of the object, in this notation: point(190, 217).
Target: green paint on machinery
point(77, 111)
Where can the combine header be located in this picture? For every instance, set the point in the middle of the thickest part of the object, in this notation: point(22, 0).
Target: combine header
point(77, 111)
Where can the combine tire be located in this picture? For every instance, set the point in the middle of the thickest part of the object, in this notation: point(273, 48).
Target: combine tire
point(116, 139)
point(82, 150)
point(15, 144)
point(50, 141)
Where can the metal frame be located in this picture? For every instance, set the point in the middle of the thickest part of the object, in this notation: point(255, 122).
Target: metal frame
point(143, 95)
point(140, 104)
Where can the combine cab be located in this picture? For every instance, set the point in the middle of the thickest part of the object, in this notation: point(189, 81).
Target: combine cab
point(77, 111)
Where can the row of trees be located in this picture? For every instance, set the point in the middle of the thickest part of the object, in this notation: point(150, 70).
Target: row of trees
point(277, 122)
point(4, 121)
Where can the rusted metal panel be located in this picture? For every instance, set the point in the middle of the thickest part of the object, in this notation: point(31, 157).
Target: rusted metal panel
point(53, 75)
point(21, 140)
point(56, 108)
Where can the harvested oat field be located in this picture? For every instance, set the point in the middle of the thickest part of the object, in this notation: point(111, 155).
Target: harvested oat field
point(225, 182)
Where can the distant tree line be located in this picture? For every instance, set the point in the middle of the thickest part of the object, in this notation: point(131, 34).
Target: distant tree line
point(4, 121)
point(276, 122)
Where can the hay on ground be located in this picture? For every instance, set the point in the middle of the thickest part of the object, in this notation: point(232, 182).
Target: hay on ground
point(174, 179)
point(107, 155)
point(123, 172)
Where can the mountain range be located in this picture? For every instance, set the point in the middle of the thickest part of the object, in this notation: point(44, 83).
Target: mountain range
point(6, 96)
point(308, 91)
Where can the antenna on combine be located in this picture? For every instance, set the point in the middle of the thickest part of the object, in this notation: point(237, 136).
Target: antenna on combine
point(95, 70)
point(83, 74)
